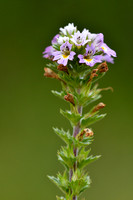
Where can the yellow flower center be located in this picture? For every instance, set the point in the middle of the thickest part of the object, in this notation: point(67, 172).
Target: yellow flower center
point(65, 56)
point(88, 60)
point(103, 48)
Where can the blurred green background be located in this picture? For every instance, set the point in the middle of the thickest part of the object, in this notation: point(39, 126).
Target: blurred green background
point(28, 110)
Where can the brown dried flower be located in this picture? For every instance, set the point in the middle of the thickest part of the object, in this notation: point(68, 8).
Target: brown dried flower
point(62, 68)
point(98, 107)
point(69, 97)
point(93, 74)
point(50, 73)
point(88, 132)
point(103, 67)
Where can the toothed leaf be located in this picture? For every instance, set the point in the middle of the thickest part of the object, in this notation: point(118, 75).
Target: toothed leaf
point(72, 117)
point(61, 182)
point(91, 120)
point(67, 155)
point(65, 136)
point(87, 161)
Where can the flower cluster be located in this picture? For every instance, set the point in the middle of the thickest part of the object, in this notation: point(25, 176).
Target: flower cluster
point(82, 47)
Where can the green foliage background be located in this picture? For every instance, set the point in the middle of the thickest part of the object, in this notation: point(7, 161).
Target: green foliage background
point(28, 110)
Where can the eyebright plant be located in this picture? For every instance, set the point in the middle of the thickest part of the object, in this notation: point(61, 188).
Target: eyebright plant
point(78, 60)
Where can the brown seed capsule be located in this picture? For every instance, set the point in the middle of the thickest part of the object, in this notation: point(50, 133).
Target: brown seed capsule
point(98, 107)
point(103, 67)
point(49, 73)
point(69, 97)
point(62, 68)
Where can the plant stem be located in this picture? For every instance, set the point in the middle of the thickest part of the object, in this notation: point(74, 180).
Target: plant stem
point(76, 130)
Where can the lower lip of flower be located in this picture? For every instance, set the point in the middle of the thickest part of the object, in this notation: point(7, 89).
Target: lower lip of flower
point(88, 60)
point(65, 56)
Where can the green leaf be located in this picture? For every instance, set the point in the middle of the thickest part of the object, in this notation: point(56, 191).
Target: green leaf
point(91, 99)
point(91, 120)
point(85, 142)
point(79, 182)
point(83, 154)
point(65, 136)
point(61, 182)
point(87, 161)
point(63, 163)
point(56, 46)
point(59, 94)
point(60, 198)
point(88, 96)
point(67, 155)
point(53, 67)
point(72, 117)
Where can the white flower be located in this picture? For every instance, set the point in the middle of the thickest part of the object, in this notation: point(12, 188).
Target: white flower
point(92, 36)
point(86, 33)
point(69, 29)
point(61, 39)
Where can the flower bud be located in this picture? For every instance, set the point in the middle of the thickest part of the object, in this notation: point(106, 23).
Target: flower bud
point(69, 97)
point(62, 68)
point(103, 67)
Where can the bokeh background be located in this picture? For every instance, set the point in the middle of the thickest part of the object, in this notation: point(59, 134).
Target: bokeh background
point(28, 110)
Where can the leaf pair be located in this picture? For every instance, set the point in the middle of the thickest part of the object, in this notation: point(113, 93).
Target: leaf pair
point(76, 186)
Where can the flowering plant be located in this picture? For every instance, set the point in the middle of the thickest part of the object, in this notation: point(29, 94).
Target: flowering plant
point(77, 60)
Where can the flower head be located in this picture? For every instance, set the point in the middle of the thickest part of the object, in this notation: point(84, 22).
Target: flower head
point(101, 46)
point(107, 50)
point(62, 39)
point(79, 39)
point(55, 39)
point(107, 58)
point(89, 47)
point(64, 54)
point(48, 53)
point(98, 41)
point(89, 58)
